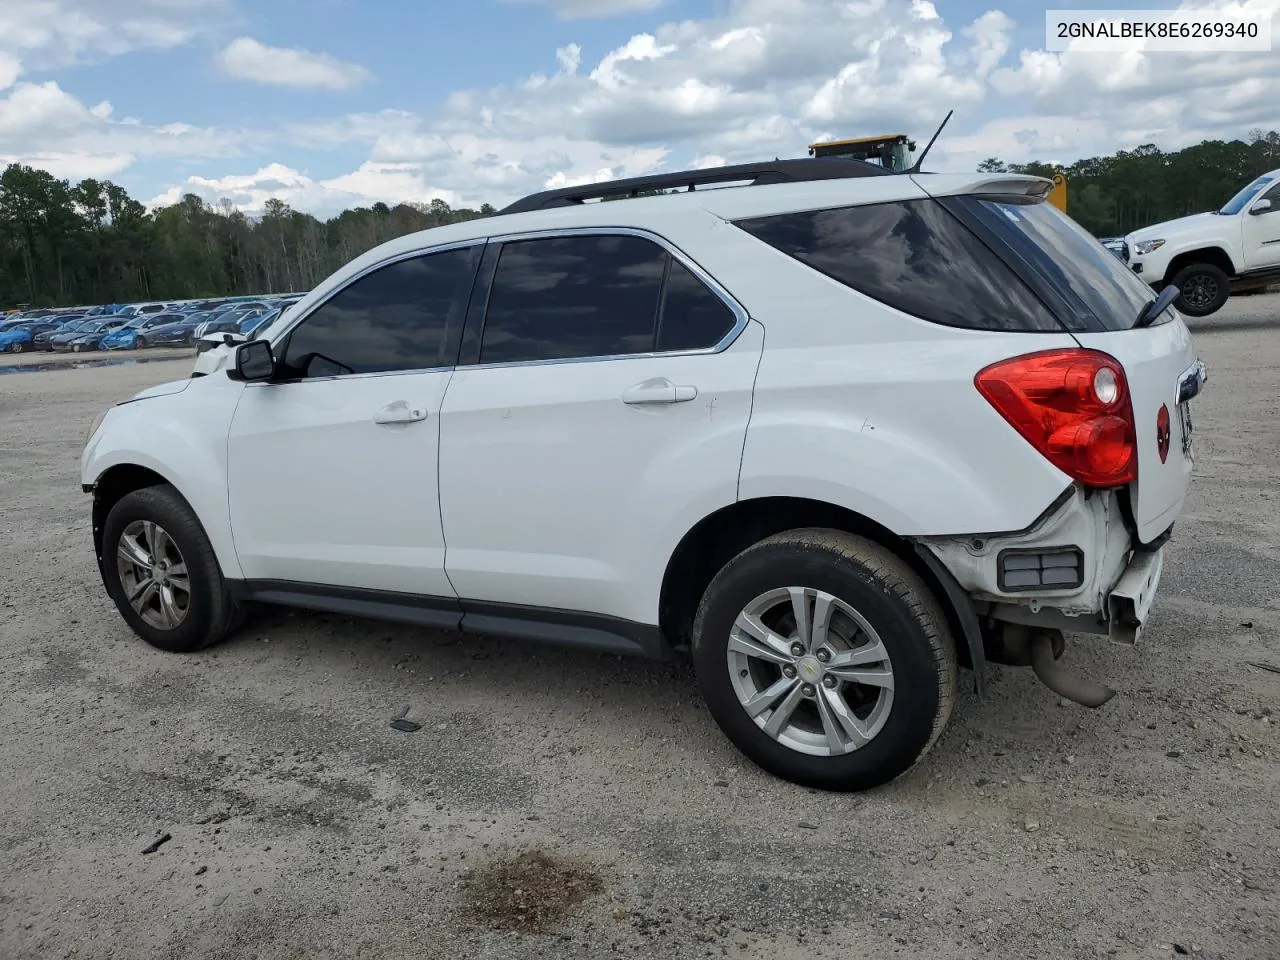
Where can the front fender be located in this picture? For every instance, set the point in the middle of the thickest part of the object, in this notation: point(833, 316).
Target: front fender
point(182, 437)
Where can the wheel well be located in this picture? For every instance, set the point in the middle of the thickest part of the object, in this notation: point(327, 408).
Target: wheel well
point(1214, 255)
point(118, 482)
point(720, 537)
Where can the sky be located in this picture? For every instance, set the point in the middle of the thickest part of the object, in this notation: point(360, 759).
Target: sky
point(329, 104)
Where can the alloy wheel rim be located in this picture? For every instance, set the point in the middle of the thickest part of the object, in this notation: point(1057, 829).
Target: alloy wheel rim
point(1203, 290)
point(153, 575)
point(810, 671)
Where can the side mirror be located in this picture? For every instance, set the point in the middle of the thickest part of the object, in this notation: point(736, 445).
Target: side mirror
point(1262, 206)
point(254, 362)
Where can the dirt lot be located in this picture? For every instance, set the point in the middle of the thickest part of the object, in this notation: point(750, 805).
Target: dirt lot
point(302, 826)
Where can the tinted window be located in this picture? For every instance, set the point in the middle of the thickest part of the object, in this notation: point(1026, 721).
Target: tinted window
point(397, 318)
point(566, 297)
point(1095, 286)
point(914, 256)
point(693, 317)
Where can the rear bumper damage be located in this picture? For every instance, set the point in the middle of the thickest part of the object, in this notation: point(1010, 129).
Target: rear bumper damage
point(1074, 571)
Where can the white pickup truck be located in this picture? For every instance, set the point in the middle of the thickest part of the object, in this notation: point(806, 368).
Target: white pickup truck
point(1209, 256)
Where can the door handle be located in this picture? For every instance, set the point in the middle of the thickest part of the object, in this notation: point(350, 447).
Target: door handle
point(658, 390)
point(399, 412)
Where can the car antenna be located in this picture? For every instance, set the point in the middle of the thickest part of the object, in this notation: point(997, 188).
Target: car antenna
point(915, 168)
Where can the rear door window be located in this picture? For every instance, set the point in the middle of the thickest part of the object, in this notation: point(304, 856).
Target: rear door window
point(693, 316)
point(564, 298)
point(912, 255)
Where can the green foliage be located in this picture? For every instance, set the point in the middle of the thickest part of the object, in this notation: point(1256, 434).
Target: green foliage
point(91, 243)
point(1111, 196)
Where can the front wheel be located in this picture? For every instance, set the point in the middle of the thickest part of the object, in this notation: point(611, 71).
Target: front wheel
point(1203, 289)
point(162, 573)
point(825, 659)
point(140, 343)
point(16, 347)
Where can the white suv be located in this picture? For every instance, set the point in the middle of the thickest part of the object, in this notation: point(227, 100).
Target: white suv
point(836, 432)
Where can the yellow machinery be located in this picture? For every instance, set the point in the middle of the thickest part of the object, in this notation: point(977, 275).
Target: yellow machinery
point(892, 150)
point(1058, 195)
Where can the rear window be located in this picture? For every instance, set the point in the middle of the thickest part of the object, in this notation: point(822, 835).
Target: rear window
point(1089, 286)
point(912, 255)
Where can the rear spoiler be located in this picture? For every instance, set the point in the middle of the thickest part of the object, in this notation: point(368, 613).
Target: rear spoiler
point(1005, 185)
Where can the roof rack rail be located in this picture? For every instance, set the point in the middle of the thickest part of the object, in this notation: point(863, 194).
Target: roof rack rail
point(776, 171)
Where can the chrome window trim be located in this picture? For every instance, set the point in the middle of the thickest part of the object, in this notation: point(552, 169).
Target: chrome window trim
point(740, 315)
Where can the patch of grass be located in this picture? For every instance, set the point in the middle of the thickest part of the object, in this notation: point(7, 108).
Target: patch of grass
point(530, 893)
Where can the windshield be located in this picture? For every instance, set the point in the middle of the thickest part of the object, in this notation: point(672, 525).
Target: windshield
point(1245, 196)
point(1086, 275)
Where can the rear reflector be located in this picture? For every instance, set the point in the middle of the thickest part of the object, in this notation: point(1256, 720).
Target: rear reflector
point(1054, 568)
point(1071, 405)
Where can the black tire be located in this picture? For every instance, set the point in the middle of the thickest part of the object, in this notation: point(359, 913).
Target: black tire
point(893, 600)
point(17, 347)
point(140, 343)
point(1203, 287)
point(212, 614)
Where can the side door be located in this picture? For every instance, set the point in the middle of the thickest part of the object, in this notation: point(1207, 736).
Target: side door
point(598, 411)
point(1261, 232)
point(332, 467)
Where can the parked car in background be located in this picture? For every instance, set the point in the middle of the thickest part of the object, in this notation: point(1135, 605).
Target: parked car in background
point(44, 341)
point(87, 338)
point(19, 337)
point(230, 317)
point(133, 335)
point(174, 333)
point(213, 349)
point(1209, 256)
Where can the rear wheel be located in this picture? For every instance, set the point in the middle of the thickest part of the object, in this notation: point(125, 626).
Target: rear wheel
point(825, 659)
point(162, 573)
point(17, 347)
point(1203, 289)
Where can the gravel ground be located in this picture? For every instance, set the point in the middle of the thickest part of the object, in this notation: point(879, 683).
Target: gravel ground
point(302, 826)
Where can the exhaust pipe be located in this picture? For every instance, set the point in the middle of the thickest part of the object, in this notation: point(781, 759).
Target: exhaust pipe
point(1078, 689)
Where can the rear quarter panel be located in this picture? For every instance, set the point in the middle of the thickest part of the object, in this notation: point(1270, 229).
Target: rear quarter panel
point(862, 406)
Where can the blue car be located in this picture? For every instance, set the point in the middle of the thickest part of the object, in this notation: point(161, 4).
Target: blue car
point(18, 337)
point(133, 335)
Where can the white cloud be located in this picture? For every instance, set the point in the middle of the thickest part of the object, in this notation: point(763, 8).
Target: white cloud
point(247, 59)
point(596, 9)
point(1172, 99)
point(42, 125)
point(60, 32)
point(371, 183)
point(10, 70)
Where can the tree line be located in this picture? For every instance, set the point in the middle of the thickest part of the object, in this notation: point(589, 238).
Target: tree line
point(90, 242)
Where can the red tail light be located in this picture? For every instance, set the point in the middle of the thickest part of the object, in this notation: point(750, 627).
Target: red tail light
point(1071, 405)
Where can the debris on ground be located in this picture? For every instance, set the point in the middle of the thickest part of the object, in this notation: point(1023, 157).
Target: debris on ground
point(398, 722)
point(157, 843)
point(531, 892)
point(1263, 665)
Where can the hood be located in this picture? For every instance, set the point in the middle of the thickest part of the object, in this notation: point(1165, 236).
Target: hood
point(1173, 228)
point(161, 390)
